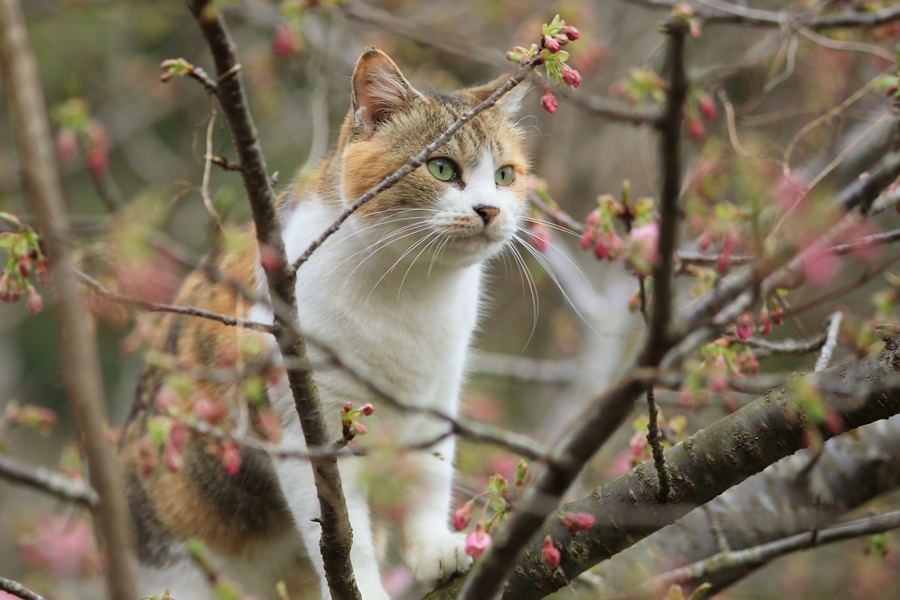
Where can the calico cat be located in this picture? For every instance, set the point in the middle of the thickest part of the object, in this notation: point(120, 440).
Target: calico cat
point(395, 291)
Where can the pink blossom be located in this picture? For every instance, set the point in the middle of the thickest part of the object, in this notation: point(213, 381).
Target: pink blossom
point(285, 42)
point(34, 302)
point(551, 44)
point(644, 244)
point(765, 323)
point(707, 107)
point(477, 542)
point(550, 553)
point(359, 429)
point(462, 516)
point(548, 102)
point(66, 144)
point(608, 246)
point(570, 32)
point(209, 410)
point(540, 236)
point(819, 264)
point(230, 458)
point(367, 409)
point(723, 263)
point(62, 547)
point(571, 76)
point(587, 238)
point(575, 522)
point(695, 128)
point(744, 327)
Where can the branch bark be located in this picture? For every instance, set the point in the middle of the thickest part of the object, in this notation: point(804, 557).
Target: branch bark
point(79, 354)
point(703, 466)
point(47, 481)
point(337, 535)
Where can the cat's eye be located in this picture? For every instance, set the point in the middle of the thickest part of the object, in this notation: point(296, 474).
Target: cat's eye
point(443, 169)
point(505, 175)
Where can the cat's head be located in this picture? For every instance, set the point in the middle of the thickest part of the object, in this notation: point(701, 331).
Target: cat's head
point(469, 196)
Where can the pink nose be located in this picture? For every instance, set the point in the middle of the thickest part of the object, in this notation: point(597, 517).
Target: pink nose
point(486, 212)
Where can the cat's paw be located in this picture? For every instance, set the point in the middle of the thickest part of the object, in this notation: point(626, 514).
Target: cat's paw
point(436, 557)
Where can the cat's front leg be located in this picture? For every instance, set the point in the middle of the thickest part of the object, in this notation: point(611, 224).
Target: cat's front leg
point(299, 489)
point(431, 550)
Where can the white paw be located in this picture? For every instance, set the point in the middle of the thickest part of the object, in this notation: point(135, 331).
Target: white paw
point(437, 557)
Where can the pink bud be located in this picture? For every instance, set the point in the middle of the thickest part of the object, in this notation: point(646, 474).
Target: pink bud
point(66, 144)
point(172, 457)
point(164, 400)
point(765, 323)
point(209, 410)
point(707, 107)
point(367, 409)
point(723, 263)
point(230, 458)
point(540, 236)
point(43, 273)
point(348, 406)
point(268, 258)
point(551, 44)
point(819, 264)
point(744, 327)
point(695, 128)
point(97, 153)
point(358, 428)
point(571, 76)
point(550, 553)
point(587, 238)
point(285, 43)
point(548, 102)
point(34, 302)
point(718, 382)
point(576, 522)
point(477, 542)
point(462, 516)
point(570, 32)
point(777, 313)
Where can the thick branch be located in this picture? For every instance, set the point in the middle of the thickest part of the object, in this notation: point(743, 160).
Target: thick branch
point(772, 505)
point(79, 354)
point(336, 532)
point(706, 464)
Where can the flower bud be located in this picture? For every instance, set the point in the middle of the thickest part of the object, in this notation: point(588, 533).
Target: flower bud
point(576, 522)
point(571, 76)
point(367, 409)
point(695, 128)
point(707, 107)
point(548, 102)
point(550, 553)
point(744, 326)
point(570, 32)
point(551, 44)
point(230, 458)
point(477, 542)
point(462, 516)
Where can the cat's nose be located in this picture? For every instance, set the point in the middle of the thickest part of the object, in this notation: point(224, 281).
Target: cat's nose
point(486, 212)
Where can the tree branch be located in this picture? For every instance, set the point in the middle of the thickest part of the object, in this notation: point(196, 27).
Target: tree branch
point(47, 481)
point(706, 464)
point(336, 532)
point(17, 589)
point(80, 364)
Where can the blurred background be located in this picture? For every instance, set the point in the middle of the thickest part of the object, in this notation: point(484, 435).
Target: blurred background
point(140, 146)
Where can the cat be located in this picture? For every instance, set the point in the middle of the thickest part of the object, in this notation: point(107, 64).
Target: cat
point(396, 292)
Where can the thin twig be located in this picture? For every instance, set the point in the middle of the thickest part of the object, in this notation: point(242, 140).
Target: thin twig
point(831, 339)
point(190, 311)
point(759, 555)
point(47, 481)
point(419, 159)
point(81, 369)
point(17, 589)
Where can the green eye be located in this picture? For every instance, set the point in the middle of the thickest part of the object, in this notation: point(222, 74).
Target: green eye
point(505, 175)
point(442, 168)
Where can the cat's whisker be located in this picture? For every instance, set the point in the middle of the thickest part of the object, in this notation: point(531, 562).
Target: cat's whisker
point(532, 290)
point(408, 231)
point(437, 238)
point(554, 226)
point(396, 262)
point(546, 266)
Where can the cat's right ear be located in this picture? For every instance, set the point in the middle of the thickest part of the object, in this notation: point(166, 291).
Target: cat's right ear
point(379, 89)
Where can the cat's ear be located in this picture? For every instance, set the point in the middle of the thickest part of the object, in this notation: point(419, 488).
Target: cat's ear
point(379, 89)
point(510, 103)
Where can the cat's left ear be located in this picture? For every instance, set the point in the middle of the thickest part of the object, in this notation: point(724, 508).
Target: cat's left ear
point(379, 89)
point(510, 103)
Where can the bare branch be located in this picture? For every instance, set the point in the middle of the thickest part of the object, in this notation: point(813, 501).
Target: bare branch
point(831, 339)
point(47, 481)
point(17, 589)
point(171, 308)
point(80, 364)
point(336, 532)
